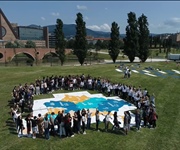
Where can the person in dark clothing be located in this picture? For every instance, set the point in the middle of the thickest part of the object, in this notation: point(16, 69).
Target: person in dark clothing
point(52, 119)
point(129, 120)
point(97, 119)
point(58, 121)
point(67, 125)
point(34, 126)
point(115, 121)
point(138, 119)
point(20, 126)
point(75, 123)
point(145, 116)
point(79, 120)
point(28, 124)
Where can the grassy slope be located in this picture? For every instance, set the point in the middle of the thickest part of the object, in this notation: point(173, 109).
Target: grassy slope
point(166, 136)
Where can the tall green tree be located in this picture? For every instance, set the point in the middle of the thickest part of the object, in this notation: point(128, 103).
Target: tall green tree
point(131, 41)
point(60, 41)
point(143, 38)
point(114, 44)
point(80, 45)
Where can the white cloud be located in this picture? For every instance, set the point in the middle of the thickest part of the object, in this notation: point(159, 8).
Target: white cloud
point(43, 18)
point(55, 14)
point(173, 22)
point(104, 27)
point(86, 18)
point(80, 7)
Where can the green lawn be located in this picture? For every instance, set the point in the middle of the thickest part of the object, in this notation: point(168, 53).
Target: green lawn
point(166, 136)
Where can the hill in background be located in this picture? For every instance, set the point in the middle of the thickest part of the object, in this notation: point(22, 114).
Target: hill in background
point(70, 31)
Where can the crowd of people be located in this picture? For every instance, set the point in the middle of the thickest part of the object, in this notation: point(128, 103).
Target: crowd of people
point(67, 125)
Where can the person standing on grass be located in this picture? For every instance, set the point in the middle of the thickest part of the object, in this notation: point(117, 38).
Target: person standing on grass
point(16, 115)
point(138, 119)
point(145, 116)
point(88, 119)
point(115, 121)
point(129, 119)
point(46, 128)
point(67, 125)
point(126, 122)
point(28, 124)
point(97, 119)
point(129, 73)
point(75, 123)
point(107, 121)
point(83, 123)
point(20, 126)
point(34, 126)
point(152, 118)
point(40, 120)
point(62, 129)
point(79, 120)
point(52, 119)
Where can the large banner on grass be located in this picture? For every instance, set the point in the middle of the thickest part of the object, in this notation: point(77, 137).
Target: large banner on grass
point(71, 102)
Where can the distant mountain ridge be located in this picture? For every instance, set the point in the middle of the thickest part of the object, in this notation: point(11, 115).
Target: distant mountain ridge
point(70, 31)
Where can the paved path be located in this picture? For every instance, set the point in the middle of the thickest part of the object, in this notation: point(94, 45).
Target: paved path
point(137, 60)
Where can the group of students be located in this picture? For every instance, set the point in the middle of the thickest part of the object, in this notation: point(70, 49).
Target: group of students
point(23, 97)
point(65, 125)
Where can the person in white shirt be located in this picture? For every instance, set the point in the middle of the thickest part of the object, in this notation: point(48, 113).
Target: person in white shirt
point(16, 115)
point(107, 121)
point(88, 119)
point(83, 123)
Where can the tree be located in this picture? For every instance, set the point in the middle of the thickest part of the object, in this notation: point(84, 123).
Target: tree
point(10, 45)
point(131, 43)
point(150, 41)
point(114, 43)
point(98, 45)
point(91, 45)
point(143, 38)
point(19, 44)
point(160, 44)
point(60, 41)
point(30, 44)
point(165, 45)
point(105, 44)
point(80, 45)
point(70, 44)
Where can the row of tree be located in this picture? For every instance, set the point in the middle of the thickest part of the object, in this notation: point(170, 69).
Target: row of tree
point(19, 44)
point(136, 42)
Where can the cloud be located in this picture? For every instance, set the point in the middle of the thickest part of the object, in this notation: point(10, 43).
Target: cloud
point(173, 22)
point(104, 27)
point(55, 14)
point(43, 18)
point(81, 7)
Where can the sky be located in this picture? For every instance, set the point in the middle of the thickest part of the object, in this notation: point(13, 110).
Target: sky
point(163, 16)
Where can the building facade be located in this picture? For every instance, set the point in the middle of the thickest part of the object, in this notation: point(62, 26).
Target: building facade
point(10, 32)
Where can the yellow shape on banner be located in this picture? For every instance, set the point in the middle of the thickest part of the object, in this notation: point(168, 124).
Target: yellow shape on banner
point(74, 99)
point(55, 110)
